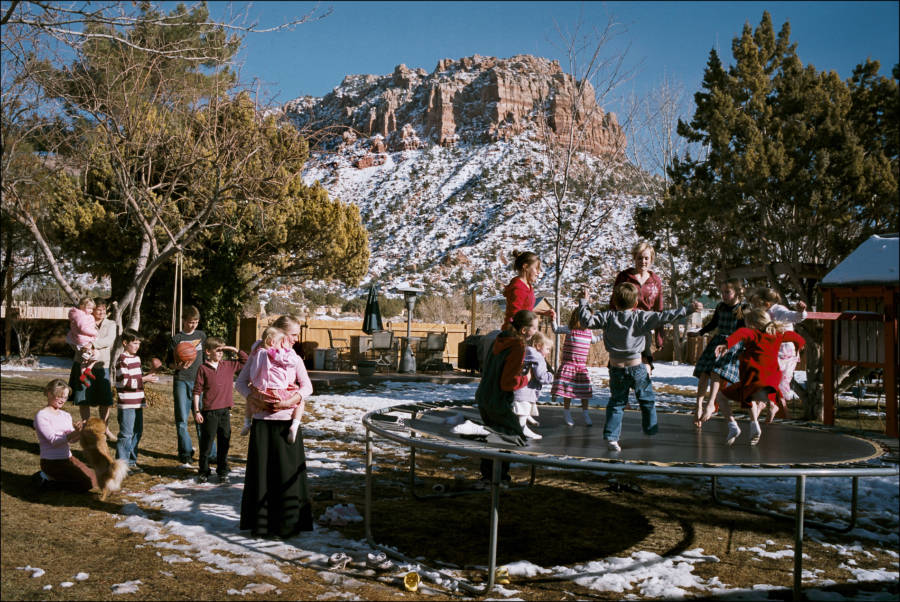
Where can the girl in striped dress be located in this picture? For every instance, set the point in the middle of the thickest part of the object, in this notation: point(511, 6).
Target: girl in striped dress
point(727, 318)
point(572, 379)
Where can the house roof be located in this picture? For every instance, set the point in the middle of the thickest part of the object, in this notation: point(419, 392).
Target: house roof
point(876, 261)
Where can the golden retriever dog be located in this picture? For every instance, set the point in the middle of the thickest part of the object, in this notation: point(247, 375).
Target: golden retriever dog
point(110, 472)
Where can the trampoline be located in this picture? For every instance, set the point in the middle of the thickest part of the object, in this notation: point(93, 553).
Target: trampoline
point(787, 449)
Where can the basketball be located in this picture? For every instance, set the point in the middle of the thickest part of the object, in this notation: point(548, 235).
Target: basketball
point(186, 351)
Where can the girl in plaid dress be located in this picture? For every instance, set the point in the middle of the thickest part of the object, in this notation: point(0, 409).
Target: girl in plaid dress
point(727, 318)
point(572, 379)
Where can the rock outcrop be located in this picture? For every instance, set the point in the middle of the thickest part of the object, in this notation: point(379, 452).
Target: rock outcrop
point(475, 99)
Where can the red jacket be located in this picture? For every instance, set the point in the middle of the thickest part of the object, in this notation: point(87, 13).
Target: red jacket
point(518, 296)
point(759, 362)
point(511, 379)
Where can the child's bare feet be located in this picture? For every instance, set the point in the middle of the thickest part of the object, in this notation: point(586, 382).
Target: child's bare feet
point(698, 416)
point(710, 410)
point(772, 412)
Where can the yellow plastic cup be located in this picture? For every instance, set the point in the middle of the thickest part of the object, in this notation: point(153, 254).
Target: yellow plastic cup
point(411, 581)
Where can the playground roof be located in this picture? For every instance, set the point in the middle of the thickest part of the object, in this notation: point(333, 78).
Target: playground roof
point(876, 261)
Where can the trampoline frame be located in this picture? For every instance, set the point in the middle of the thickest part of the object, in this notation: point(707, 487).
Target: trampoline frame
point(396, 429)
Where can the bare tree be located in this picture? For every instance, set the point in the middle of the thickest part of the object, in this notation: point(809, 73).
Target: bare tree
point(655, 144)
point(577, 186)
point(146, 112)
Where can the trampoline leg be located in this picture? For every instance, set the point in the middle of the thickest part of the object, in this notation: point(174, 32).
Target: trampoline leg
point(854, 498)
point(495, 521)
point(412, 460)
point(714, 487)
point(798, 537)
point(368, 511)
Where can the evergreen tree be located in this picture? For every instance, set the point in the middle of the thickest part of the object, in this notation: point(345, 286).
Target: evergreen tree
point(800, 168)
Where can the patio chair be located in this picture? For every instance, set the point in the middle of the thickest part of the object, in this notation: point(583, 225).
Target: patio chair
point(341, 346)
point(383, 349)
point(432, 350)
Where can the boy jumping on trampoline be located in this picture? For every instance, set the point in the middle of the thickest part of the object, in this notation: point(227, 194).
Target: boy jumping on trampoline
point(624, 334)
point(759, 372)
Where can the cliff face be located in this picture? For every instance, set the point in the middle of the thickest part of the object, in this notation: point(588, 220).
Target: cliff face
point(473, 100)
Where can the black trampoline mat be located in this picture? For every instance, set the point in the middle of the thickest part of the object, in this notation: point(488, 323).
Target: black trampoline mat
point(678, 442)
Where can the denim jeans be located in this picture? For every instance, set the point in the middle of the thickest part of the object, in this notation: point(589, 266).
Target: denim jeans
point(183, 392)
point(131, 427)
point(621, 381)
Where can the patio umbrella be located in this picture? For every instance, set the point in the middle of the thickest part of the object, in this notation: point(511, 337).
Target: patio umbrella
point(372, 317)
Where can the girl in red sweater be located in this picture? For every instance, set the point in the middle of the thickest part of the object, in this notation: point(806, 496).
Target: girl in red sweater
point(760, 374)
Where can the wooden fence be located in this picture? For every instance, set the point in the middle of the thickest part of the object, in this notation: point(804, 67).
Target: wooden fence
point(314, 333)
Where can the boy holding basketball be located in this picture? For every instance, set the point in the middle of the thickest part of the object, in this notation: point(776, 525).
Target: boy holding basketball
point(186, 368)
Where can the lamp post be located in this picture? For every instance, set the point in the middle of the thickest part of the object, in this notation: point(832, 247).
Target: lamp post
point(408, 360)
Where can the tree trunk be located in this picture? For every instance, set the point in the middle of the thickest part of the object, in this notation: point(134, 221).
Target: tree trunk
point(814, 398)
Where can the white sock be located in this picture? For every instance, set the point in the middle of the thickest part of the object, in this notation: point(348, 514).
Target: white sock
point(246, 430)
point(530, 420)
point(530, 434)
point(292, 434)
point(587, 418)
point(567, 415)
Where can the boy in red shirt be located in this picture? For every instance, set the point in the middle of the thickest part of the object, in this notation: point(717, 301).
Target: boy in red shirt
point(215, 386)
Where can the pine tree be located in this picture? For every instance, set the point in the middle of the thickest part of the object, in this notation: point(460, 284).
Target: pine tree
point(800, 168)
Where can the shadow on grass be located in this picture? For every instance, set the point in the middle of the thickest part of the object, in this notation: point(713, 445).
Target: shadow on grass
point(29, 422)
point(21, 487)
point(17, 385)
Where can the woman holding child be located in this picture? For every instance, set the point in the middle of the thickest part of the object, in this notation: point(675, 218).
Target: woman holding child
point(275, 502)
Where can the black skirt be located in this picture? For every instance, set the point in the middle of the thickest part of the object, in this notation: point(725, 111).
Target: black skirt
point(275, 502)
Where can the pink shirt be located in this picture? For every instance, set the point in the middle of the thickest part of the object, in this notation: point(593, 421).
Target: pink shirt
point(82, 328)
point(52, 429)
point(296, 374)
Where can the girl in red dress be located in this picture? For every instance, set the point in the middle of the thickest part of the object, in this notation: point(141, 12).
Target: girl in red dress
point(760, 374)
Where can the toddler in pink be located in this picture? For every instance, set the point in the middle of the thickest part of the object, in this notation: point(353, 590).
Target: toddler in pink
point(273, 380)
point(82, 332)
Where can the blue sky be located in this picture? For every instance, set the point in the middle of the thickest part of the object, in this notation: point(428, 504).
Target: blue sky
point(669, 39)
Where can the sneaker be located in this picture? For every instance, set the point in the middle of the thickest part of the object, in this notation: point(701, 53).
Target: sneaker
point(135, 469)
point(613, 446)
point(567, 416)
point(224, 479)
point(587, 418)
point(755, 433)
point(338, 561)
point(734, 431)
point(39, 480)
point(379, 561)
point(530, 434)
point(202, 478)
point(186, 466)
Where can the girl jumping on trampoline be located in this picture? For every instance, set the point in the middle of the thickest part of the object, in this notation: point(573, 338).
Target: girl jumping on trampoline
point(759, 373)
point(768, 299)
point(727, 318)
point(535, 365)
point(572, 379)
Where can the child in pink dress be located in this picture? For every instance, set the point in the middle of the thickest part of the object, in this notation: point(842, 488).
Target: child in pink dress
point(270, 382)
point(82, 332)
point(572, 379)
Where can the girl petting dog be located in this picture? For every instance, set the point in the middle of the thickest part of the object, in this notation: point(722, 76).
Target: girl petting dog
point(55, 432)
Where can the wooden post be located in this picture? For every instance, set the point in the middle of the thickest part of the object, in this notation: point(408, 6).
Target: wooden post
point(890, 361)
point(7, 325)
point(474, 309)
point(828, 359)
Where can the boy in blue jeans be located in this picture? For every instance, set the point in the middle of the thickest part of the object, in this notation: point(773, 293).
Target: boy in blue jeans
point(183, 384)
point(624, 334)
point(130, 388)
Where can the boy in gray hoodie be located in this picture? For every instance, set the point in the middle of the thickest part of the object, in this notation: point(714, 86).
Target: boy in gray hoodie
point(624, 334)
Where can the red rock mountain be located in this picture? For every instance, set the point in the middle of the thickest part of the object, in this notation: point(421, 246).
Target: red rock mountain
point(473, 100)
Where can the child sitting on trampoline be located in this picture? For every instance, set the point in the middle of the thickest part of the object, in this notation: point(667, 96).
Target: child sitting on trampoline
point(624, 333)
point(760, 375)
point(535, 365)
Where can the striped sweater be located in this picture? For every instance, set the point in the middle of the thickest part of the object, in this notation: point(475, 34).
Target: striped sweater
point(129, 382)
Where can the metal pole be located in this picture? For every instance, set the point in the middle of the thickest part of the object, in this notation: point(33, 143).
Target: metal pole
point(798, 537)
point(495, 521)
point(367, 514)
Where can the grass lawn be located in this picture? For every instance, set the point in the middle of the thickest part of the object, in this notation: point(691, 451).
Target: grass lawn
point(566, 519)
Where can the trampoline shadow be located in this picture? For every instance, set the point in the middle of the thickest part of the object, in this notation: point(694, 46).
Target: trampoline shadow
point(547, 525)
